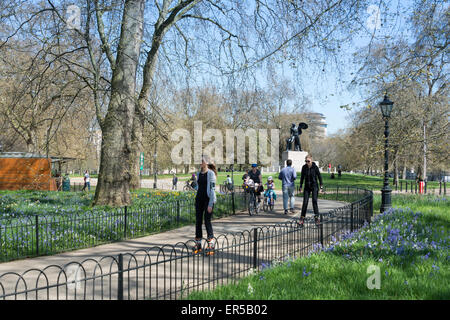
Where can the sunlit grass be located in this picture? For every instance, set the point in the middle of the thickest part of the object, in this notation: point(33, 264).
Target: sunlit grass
point(410, 246)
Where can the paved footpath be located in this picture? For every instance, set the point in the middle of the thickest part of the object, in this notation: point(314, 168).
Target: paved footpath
point(229, 225)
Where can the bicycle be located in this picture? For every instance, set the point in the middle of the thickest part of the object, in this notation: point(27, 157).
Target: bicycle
point(188, 187)
point(269, 202)
point(253, 204)
point(226, 187)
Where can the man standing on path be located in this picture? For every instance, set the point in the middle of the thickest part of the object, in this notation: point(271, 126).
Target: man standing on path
point(287, 177)
point(174, 182)
point(310, 174)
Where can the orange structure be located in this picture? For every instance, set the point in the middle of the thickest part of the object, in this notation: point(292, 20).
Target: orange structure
point(26, 173)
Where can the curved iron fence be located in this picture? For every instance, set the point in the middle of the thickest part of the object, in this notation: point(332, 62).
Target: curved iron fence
point(173, 271)
point(41, 234)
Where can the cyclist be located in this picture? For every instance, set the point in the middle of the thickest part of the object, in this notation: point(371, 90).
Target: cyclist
point(194, 184)
point(256, 176)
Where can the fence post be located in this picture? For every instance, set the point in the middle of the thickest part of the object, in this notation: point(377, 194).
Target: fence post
point(232, 202)
point(401, 186)
point(255, 248)
point(445, 188)
point(440, 187)
point(321, 229)
point(425, 186)
point(351, 218)
point(37, 234)
point(120, 278)
point(178, 212)
point(415, 187)
point(125, 224)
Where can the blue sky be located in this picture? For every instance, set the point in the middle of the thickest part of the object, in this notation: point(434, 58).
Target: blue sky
point(328, 91)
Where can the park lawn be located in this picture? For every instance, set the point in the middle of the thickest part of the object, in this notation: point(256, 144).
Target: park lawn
point(31, 202)
point(347, 179)
point(410, 246)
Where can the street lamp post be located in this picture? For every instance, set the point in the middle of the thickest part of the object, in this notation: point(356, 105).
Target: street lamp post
point(155, 171)
point(386, 109)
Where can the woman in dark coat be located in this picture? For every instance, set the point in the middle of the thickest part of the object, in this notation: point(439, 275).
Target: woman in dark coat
point(311, 176)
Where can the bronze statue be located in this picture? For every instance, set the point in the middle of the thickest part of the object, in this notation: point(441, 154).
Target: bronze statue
point(295, 137)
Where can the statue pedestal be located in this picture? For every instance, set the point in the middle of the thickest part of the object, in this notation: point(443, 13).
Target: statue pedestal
point(297, 157)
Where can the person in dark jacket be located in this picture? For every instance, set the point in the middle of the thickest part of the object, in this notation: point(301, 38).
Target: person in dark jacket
point(174, 182)
point(311, 176)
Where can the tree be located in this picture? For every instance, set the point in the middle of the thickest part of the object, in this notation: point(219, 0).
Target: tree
point(124, 42)
point(415, 75)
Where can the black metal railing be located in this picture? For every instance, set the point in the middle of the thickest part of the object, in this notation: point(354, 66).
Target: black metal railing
point(403, 187)
point(42, 234)
point(173, 271)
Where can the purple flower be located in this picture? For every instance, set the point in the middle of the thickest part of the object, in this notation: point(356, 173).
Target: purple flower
point(265, 266)
point(305, 274)
point(425, 257)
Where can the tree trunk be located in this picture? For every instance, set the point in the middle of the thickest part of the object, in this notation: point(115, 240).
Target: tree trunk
point(404, 171)
point(395, 173)
point(136, 149)
point(424, 151)
point(113, 186)
point(167, 18)
point(139, 118)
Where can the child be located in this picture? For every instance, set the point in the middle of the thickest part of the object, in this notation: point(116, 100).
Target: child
point(270, 188)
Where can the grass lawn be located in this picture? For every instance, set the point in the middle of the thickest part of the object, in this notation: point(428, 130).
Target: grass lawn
point(407, 248)
point(27, 202)
point(347, 179)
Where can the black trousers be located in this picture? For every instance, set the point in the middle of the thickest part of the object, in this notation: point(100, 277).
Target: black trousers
point(306, 194)
point(201, 210)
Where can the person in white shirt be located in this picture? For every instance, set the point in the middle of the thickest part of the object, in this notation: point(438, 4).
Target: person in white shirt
point(87, 181)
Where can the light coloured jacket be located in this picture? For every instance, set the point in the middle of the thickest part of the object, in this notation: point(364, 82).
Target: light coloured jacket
point(210, 186)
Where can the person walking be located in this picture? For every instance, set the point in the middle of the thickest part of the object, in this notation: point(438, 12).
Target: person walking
point(87, 181)
point(310, 175)
point(204, 203)
point(287, 176)
point(174, 182)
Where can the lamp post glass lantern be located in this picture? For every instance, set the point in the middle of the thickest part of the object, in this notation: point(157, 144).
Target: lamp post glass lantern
point(386, 108)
